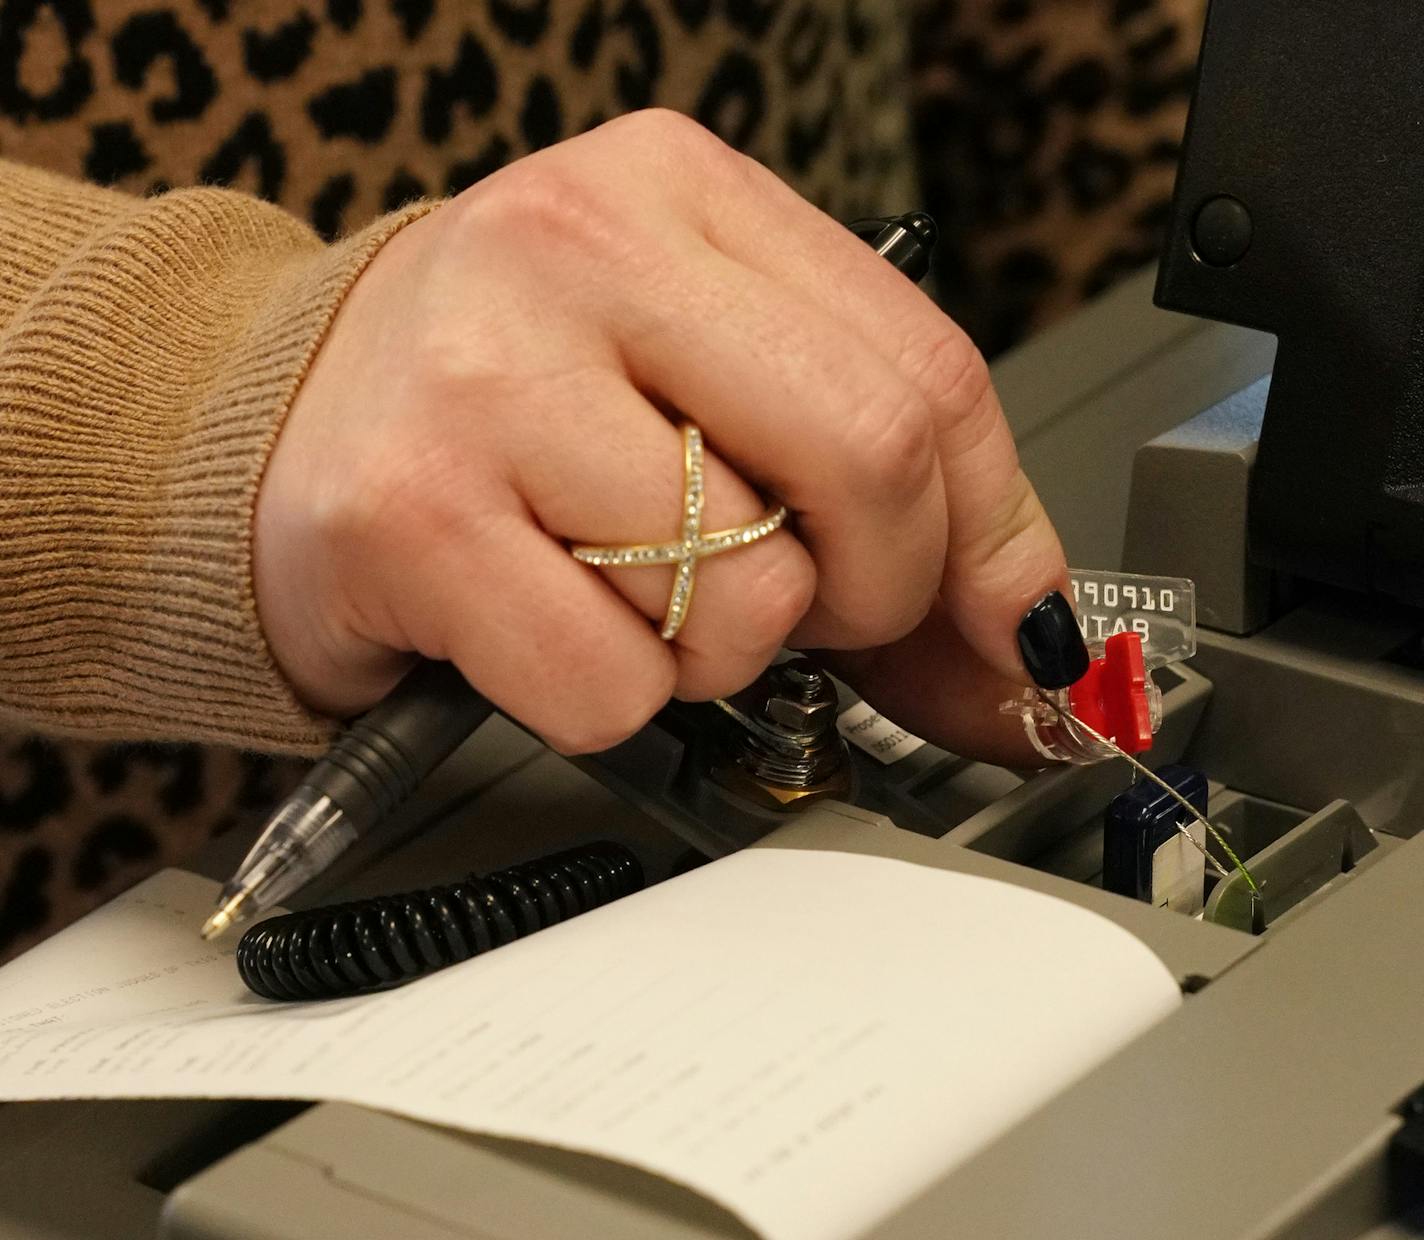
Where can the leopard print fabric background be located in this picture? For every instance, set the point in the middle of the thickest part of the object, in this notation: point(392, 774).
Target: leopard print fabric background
point(81, 822)
point(1048, 135)
point(342, 109)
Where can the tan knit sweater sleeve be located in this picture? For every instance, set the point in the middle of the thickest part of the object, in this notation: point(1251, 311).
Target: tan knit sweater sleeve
point(149, 350)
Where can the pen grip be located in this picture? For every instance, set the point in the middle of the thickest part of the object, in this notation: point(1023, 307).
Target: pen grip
point(383, 757)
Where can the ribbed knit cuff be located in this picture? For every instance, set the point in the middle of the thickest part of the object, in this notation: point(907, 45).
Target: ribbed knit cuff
point(149, 351)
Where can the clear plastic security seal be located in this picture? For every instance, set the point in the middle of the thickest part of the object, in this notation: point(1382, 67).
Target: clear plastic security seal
point(1161, 613)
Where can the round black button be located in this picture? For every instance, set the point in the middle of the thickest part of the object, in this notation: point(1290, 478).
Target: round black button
point(1222, 232)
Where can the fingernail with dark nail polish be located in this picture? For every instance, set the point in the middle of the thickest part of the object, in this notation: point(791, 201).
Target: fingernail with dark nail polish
point(1051, 643)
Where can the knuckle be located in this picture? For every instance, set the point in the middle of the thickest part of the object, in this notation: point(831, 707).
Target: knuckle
point(955, 378)
point(571, 739)
point(663, 129)
point(944, 363)
point(623, 713)
point(351, 518)
point(892, 446)
point(681, 145)
point(566, 737)
point(543, 198)
point(1016, 517)
point(886, 617)
point(775, 599)
point(890, 623)
point(390, 501)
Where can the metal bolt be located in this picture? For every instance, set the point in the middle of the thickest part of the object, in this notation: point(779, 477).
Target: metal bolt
point(801, 677)
point(785, 752)
point(799, 716)
point(801, 698)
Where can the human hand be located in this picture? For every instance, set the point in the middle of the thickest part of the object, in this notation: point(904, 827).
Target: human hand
point(504, 379)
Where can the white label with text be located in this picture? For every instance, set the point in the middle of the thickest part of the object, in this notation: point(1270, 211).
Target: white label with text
point(867, 729)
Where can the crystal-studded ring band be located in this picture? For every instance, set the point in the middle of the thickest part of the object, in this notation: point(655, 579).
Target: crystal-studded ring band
point(694, 545)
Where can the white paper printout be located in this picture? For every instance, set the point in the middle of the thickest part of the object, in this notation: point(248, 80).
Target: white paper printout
point(808, 1038)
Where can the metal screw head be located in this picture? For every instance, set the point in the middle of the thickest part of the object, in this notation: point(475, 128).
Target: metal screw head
point(801, 697)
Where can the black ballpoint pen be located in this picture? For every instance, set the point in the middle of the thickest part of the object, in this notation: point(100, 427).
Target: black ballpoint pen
point(383, 757)
point(374, 766)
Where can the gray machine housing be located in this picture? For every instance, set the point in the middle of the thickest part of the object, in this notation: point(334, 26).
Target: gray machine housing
point(1264, 1109)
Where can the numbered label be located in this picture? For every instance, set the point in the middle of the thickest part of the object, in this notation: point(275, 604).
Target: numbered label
point(1161, 610)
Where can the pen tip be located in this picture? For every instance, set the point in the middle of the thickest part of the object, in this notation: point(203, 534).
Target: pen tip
point(222, 918)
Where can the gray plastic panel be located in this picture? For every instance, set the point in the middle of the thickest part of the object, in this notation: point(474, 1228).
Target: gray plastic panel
point(1187, 516)
point(1083, 396)
point(1237, 1118)
point(1312, 710)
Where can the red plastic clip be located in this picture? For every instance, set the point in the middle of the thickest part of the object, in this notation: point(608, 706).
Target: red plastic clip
point(1112, 697)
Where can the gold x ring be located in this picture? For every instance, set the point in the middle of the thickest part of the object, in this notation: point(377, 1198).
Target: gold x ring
point(694, 545)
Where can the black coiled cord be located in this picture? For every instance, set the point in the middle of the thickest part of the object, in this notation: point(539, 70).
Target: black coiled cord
point(350, 949)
